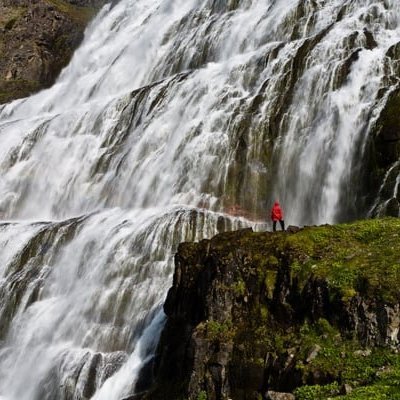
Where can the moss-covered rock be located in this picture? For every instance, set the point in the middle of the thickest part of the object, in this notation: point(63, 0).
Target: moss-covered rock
point(316, 313)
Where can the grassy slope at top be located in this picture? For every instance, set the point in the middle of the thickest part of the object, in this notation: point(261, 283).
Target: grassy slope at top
point(361, 257)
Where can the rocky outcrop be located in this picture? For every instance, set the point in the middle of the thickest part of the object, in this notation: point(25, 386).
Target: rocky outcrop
point(37, 39)
point(263, 315)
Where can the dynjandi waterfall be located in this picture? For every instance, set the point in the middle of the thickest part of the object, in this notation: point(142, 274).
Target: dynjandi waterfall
point(175, 120)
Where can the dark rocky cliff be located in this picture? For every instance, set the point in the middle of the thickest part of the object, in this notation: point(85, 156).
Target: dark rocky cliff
point(314, 313)
point(37, 39)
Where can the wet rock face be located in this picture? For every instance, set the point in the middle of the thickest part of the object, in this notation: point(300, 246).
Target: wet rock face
point(387, 130)
point(37, 39)
point(230, 298)
point(384, 152)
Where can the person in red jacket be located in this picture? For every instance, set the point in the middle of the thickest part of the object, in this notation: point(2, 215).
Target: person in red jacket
point(277, 215)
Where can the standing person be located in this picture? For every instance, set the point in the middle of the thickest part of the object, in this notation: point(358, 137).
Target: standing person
point(277, 215)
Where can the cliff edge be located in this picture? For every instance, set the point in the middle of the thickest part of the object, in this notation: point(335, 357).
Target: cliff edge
point(313, 314)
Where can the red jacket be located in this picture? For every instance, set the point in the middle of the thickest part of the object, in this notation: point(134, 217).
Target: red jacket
point(276, 212)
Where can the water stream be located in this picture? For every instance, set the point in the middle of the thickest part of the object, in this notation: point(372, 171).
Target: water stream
point(175, 120)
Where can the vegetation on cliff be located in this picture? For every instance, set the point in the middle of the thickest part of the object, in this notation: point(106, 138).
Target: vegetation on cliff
point(314, 313)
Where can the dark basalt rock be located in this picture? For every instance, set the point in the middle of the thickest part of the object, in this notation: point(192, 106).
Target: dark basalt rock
point(236, 297)
point(386, 132)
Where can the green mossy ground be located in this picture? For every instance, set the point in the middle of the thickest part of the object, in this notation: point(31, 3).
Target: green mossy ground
point(362, 257)
point(372, 374)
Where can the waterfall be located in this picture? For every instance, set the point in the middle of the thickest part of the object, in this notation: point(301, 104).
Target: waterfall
point(174, 120)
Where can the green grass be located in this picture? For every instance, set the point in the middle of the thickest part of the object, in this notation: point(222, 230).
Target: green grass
point(383, 384)
point(362, 257)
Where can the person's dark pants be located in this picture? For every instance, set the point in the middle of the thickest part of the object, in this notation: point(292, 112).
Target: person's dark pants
point(282, 222)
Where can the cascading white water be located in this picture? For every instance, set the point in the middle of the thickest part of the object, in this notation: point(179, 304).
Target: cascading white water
point(88, 287)
point(326, 132)
point(170, 115)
